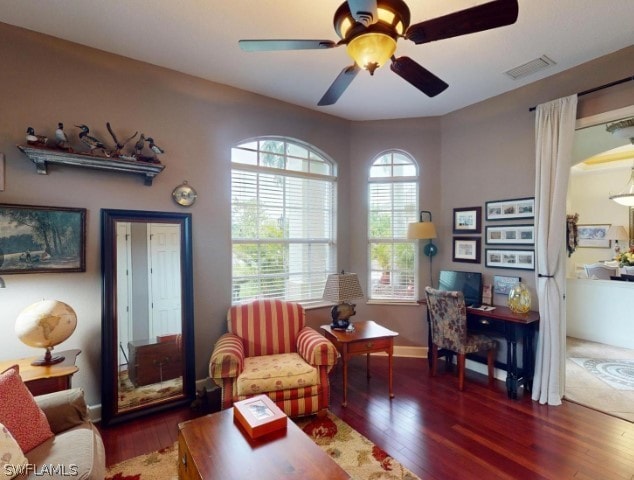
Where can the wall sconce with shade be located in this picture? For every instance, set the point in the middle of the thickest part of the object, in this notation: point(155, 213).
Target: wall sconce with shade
point(46, 324)
point(340, 288)
point(423, 230)
point(624, 129)
point(616, 233)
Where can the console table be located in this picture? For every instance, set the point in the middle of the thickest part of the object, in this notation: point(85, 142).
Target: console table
point(513, 328)
point(45, 379)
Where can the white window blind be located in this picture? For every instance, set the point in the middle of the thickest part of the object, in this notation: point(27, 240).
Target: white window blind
point(393, 204)
point(282, 220)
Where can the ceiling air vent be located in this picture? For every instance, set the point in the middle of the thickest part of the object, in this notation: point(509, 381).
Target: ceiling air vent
point(531, 67)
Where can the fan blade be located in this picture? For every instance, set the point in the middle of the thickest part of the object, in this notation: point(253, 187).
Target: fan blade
point(339, 85)
point(364, 11)
point(420, 77)
point(475, 19)
point(270, 45)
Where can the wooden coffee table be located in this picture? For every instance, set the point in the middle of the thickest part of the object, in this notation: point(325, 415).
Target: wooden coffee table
point(366, 338)
point(214, 446)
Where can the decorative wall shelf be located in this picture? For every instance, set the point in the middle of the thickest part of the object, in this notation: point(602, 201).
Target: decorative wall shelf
point(42, 156)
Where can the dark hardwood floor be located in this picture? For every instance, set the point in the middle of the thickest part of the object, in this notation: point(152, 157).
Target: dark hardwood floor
point(441, 433)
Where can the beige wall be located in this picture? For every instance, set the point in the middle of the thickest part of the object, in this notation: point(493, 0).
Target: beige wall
point(45, 81)
point(480, 153)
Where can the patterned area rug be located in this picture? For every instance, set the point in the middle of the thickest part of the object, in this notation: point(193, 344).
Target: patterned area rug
point(619, 374)
point(353, 452)
point(131, 396)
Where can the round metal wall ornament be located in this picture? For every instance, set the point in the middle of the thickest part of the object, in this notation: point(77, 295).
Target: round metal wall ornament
point(184, 194)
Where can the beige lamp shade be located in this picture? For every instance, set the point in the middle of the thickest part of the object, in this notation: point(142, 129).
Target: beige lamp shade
point(421, 231)
point(616, 232)
point(341, 287)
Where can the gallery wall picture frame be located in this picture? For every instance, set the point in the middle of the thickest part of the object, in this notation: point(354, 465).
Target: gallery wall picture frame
point(592, 235)
point(38, 239)
point(466, 249)
point(510, 235)
point(515, 259)
point(1, 172)
point(467, 220)
point(511, 209)
point(502, 284)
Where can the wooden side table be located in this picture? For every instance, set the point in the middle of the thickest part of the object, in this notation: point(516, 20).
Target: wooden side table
point(41, 380)
point(366, 338)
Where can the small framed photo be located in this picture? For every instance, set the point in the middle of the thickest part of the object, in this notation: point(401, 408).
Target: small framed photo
point(518, 259)
point(36, 239)
point(487, 294)
point(593, 235)
point(466, 249)
point(503, 284)
point(511, 209)
point(467, 220)
point(510, 235)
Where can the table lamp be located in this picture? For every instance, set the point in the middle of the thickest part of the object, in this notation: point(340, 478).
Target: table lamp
point(341, 287)
point(44, 325)
point(616, 233)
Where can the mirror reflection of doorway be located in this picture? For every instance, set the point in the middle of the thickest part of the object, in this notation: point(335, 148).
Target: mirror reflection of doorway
point(149, 312)
point(164, 285)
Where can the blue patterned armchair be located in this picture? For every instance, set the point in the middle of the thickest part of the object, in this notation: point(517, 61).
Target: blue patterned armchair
point(448, 318)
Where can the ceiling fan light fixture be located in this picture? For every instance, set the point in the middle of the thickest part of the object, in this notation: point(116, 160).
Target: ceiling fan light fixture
point(371, 50)
point(626, 197)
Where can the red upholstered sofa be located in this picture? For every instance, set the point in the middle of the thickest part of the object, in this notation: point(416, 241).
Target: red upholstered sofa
point(268, 349)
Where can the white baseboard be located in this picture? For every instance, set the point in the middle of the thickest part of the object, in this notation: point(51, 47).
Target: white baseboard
point(399, 351)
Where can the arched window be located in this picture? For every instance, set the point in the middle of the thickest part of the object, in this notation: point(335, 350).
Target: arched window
point(393, 204)
point(283, 217)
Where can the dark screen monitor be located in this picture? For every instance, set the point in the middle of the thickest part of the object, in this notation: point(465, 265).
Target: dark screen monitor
point(469, 283)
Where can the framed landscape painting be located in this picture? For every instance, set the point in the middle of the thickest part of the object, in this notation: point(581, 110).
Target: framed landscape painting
point(35, 239)
point(593, 236)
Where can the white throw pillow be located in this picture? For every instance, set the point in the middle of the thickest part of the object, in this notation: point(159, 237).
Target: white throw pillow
point(11, 456)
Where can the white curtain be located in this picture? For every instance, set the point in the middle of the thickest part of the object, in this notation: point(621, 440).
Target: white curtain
point(554, 135)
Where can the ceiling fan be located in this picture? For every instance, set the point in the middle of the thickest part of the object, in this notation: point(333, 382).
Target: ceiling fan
point(370, 29)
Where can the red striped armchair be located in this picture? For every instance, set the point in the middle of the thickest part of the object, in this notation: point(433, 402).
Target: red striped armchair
point(268, 349)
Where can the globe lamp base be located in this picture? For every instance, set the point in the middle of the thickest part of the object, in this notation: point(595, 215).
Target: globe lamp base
point(48, 359)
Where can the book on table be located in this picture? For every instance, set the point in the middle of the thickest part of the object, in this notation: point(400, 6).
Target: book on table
point(259, 415)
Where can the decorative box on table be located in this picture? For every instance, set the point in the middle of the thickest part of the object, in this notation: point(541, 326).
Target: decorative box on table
point(259, 415)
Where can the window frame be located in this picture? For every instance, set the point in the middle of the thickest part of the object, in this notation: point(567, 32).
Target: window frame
point(393, 179)
point(315, 167)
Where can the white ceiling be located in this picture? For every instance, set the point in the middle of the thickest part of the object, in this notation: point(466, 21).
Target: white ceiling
point(200, 37)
